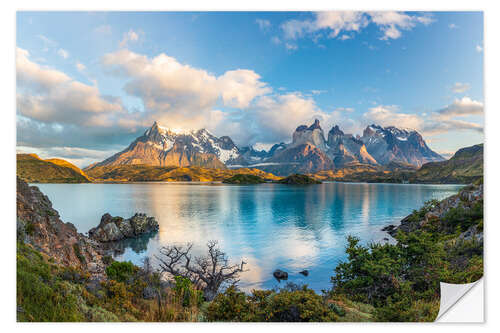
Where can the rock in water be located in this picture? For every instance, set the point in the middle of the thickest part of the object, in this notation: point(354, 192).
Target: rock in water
point(305, 272)
point(280, 275)
point(116, 228)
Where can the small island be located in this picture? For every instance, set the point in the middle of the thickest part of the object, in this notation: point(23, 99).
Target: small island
point(244, 179)
point(298, 179)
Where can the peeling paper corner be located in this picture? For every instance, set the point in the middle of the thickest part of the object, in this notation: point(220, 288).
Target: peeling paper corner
point(451, 299)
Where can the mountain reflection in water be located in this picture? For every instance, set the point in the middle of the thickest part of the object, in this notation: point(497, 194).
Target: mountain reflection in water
point(270, 226)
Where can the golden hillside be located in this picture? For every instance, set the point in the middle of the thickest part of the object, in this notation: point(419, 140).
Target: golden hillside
point(136, 173)
point(33, 169)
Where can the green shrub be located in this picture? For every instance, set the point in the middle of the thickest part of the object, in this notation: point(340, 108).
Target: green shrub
point(302, 305)
point(41, 295)
point(186, 292)
point(121, 271)
point(78, 253)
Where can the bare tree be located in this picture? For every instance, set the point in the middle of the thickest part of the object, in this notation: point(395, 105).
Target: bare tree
point(153, 283)
point(207, 273)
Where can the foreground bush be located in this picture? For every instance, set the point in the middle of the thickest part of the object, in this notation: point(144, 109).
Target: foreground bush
point(402, 280)
point(302, 305)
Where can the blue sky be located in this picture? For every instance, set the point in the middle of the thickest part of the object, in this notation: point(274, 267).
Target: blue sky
point(90, 82)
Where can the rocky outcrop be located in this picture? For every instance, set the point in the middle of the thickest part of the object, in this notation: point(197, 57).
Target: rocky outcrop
point(116, 228)
point(465, 199)
point(39, 225)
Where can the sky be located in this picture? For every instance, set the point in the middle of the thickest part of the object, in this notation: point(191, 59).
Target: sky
point(88, 83)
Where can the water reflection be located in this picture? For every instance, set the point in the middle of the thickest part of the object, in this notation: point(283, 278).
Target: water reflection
point(138, 245)
point(269, 226)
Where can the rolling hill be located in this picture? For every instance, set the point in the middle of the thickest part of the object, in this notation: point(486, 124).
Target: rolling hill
point(33, 169)
point(466, 166)
point(137, 173)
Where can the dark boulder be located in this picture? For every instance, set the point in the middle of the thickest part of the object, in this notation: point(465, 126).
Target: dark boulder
point(117, 228)
point(280, 275)
point(305, 272)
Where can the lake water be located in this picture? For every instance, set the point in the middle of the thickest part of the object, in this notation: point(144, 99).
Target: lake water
point(270, 226)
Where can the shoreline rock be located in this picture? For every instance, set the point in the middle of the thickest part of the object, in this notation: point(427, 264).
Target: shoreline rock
point(464, 198)
point(116, 228)
point(40, 226)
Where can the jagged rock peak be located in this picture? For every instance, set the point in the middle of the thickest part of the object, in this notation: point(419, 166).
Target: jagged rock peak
point(315, 125)
point(336, 131)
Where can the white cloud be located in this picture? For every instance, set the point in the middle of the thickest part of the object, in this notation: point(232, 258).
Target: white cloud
point(31, 74)
point(80, 67)
point(291, 47)
point(459, 87)
point(452, 26)
point(180, 94)
point(240, 87)
point(130, 36)
point(462, 107)
point(51, 96)
point(55, 110)
point(63, 53)
point(441, 121)
point(264, 25)
point(390, 23)
point(389, 115)
point(479, 48)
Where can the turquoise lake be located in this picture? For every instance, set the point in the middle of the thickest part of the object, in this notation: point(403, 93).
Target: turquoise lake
point(269, 226)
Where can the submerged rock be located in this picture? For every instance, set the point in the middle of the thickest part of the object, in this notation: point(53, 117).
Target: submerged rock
point(116, 228)
point(280, 275)
point(305, 272)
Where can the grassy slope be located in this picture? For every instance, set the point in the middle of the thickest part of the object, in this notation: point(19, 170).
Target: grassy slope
point(152, 173)
point(33, 169)
point(64, 163)
point(465, 166)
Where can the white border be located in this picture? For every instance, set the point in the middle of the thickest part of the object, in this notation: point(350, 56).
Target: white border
point(492, 57)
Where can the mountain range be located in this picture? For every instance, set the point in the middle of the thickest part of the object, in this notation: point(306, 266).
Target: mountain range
point(309, 151)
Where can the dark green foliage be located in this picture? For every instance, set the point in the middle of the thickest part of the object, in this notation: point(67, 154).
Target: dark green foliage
point(121, 271)
point(244, 179)
point(298, 179)
point(186, 292)
point(78, 253)
point(402, 280)
point(107, 260)
point(463, 217)
point(302, 305)
point(337, 309)
point(29, 228)
point(41, 295)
